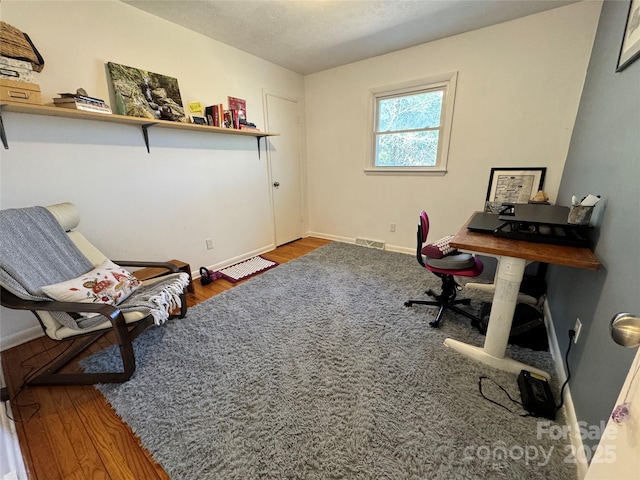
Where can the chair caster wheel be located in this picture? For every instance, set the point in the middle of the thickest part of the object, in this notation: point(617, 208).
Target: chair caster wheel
point(434, 324)
point(408, 304)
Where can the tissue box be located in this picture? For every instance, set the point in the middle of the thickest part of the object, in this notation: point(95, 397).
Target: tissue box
point(17, 70)
point(20, 92)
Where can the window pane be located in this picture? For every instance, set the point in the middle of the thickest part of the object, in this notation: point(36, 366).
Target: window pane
point(416, 149)
point(410, 112)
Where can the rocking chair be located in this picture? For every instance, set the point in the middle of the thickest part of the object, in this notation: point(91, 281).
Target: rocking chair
point(69, 320)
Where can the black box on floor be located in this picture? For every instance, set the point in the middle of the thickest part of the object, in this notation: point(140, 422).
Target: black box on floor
point(536, 395)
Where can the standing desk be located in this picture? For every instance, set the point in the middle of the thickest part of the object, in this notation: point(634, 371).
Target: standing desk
point(513, 256)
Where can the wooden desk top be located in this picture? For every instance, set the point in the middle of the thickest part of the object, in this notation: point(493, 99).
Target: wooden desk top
point(539, 252)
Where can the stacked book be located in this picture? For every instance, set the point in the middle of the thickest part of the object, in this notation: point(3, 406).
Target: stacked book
point(233, 117)
point(81, 102)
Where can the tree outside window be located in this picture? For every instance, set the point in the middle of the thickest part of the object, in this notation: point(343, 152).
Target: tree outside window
point(411, 127)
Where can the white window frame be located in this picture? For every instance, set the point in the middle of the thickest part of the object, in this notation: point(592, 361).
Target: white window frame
point(446, 82)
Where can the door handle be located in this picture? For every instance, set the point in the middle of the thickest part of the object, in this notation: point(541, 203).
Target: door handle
point(625, 329)
point(276, 184)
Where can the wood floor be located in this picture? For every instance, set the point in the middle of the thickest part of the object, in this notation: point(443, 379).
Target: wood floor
point(72, 432)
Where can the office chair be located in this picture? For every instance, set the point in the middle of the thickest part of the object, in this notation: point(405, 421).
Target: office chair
point(445, 262)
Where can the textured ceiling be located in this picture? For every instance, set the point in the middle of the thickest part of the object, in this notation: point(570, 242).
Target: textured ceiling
point(309, 36)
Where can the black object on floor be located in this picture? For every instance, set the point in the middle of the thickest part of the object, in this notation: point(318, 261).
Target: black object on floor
point(527, 330)
point(536, 395)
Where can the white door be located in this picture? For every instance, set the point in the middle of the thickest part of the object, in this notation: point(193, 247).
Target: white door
point(284, 159)
point(618, 454)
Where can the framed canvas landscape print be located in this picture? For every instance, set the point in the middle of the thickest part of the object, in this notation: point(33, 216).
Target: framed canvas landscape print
point(630, 48)
point(140, 93)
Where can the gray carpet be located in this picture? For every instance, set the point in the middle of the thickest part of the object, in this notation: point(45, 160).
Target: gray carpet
point(316, 370)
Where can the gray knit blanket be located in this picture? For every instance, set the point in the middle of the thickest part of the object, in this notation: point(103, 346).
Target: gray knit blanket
point(35, 251)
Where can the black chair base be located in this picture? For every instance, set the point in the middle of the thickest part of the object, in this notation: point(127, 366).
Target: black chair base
point(445, 300)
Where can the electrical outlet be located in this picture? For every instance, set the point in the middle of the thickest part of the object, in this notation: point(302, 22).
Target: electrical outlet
point(576, 328)
point(209, 243)
point(392, 227)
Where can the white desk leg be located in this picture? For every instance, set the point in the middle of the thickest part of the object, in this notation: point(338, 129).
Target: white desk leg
point(508, 279)
point(491, 287)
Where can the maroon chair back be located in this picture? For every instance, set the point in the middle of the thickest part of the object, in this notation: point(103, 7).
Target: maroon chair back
point(424, 225)
point(423, 231)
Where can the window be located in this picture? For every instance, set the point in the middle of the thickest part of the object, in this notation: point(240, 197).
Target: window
point(412, 125)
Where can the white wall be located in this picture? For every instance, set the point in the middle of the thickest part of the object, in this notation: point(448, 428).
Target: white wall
point(518, 90)
point(136, 205)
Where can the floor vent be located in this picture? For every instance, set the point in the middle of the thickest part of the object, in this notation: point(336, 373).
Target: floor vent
point(365, 242)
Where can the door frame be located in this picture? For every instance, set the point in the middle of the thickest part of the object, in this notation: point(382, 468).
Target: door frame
point(302, 159)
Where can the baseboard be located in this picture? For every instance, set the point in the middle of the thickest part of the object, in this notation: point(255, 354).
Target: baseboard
point(399, 249)
point(13, 466)
point(21, 337)
point(333, 238)
point(336, 238)
point(567, 407)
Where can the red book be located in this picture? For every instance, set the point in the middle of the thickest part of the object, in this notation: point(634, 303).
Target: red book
point(239, 105)
point(216, 116)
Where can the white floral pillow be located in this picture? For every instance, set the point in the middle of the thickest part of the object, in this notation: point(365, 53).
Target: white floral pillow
point(109, 283)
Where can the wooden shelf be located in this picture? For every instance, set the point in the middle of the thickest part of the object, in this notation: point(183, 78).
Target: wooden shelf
point(144, 123)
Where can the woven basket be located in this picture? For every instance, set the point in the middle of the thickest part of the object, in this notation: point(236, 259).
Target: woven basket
point(16, 44)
